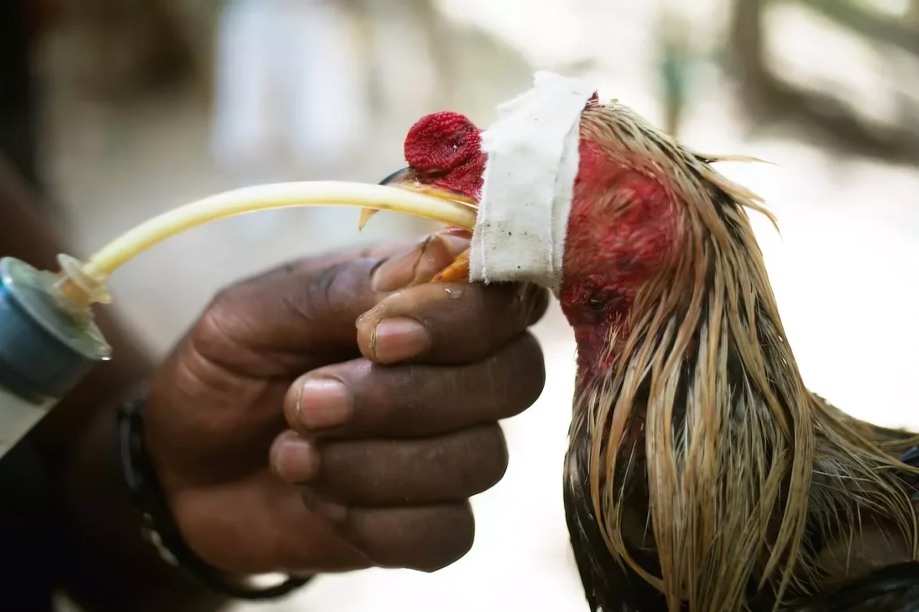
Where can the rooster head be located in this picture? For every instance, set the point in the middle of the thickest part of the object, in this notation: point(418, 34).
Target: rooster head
point(635, 192)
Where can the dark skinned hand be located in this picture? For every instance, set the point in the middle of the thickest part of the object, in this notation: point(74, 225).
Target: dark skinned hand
point(338, 413)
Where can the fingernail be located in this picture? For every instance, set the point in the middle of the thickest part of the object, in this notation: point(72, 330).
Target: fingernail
point(323, 403)
point(398, 339)
point(419, 264)
point(295, 460)
point(324, 508)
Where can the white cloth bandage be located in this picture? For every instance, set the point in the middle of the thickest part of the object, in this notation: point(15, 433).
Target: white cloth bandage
point(528, 183)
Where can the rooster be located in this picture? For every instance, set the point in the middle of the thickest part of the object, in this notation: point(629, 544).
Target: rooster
point(701, 473)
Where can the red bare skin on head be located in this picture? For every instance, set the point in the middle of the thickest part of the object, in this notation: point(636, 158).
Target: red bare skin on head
point(621, 229)
point(445, 150)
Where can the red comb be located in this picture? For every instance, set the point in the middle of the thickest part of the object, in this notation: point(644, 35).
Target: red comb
point(427, 143)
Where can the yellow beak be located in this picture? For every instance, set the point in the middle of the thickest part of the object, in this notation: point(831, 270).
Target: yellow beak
point(400, 178)
point(407, 179)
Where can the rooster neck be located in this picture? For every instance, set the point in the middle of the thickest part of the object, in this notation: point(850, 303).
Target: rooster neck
point(671, 401)
point(691, 414)
point(694, 417)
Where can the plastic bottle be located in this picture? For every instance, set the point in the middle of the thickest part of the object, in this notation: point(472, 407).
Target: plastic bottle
point(45, 349)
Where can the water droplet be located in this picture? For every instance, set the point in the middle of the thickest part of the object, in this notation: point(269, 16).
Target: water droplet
point(454, 292)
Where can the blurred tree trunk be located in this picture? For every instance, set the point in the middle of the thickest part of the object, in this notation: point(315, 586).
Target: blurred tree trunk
point(912, 13)
point(875, 27)
point(770, 99)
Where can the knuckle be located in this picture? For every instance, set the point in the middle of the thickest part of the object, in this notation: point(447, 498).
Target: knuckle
point(444, 559)
point(228, 296)
point(455, 541)
point(530, 369)
point(332, 294)
point(314, 298)
point(219, 324)
point(452, 541)
point(476, 459)
point(516, 376)
point(491, 449)
point(524, 304)
point(424, 539)
point(537, 303)
point(500, 310)
point(222, 339)
point(527, 304)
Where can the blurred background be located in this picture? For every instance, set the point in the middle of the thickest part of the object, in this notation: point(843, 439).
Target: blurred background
point(121, 109)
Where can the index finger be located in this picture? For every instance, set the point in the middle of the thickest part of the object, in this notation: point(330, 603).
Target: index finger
point(286, 319)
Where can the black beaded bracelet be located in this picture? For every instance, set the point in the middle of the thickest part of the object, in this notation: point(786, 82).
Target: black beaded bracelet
point(159, 528)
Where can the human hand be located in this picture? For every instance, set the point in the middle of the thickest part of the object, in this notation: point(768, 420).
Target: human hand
point(287, 437)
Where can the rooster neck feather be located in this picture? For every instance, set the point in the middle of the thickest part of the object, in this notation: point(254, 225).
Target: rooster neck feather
point(698, 419)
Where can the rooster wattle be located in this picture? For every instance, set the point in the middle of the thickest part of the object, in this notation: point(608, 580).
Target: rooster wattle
point(701, 474)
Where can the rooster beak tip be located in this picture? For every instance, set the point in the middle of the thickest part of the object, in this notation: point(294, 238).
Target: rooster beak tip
point(454, 210)
point(407, 179)
point(399, 178)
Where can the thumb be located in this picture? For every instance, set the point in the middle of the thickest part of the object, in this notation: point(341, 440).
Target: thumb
point(304, 314)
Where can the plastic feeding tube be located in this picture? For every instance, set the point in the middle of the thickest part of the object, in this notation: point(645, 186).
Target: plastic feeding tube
point(81, 284)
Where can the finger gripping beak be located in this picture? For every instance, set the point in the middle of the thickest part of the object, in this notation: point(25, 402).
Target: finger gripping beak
point(406, 178)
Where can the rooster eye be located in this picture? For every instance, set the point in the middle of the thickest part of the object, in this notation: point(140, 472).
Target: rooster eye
point(595, 306)
point(595, 298)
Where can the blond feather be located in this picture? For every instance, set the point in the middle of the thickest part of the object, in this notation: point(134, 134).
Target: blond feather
point(744, 467)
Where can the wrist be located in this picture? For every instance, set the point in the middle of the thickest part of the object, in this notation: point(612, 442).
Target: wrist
point(159, 527)
point(108, 565)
